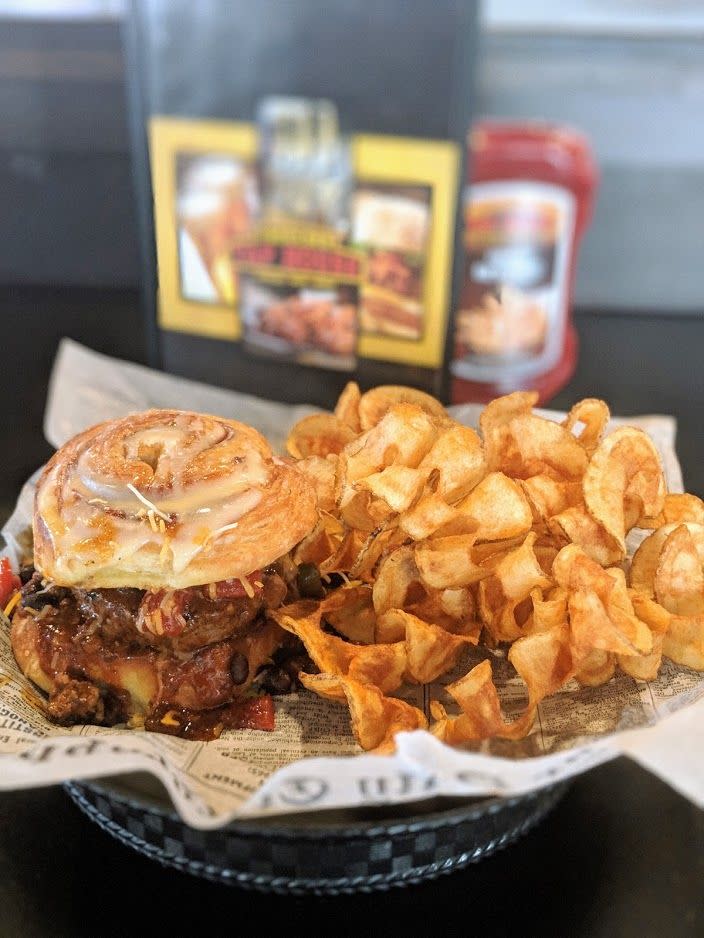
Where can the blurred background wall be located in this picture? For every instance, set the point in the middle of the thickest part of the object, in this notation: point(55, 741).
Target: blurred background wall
point(631, 75)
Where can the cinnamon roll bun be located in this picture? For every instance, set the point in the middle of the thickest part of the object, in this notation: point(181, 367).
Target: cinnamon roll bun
point(161, 542)
point(166, 498)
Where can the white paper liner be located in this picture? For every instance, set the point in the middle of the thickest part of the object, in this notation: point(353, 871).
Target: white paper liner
point(311, 760)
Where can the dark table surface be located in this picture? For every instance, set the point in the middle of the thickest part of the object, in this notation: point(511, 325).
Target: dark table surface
point(621, 855)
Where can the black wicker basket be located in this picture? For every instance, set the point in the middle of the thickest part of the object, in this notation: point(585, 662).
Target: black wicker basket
point(325, 853)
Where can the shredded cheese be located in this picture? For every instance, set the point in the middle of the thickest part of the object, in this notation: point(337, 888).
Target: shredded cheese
point(247, 587)
point(162, 526)
point(145, 501)
point(164, 552)
point(259, 584)
point(12, 603)
point(226, 527)
point(169, 719)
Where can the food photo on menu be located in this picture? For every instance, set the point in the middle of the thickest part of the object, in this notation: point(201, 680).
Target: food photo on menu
point(392, 224)
point(353, 521)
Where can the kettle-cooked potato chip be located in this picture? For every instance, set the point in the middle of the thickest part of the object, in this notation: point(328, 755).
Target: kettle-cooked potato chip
point(684, 641)
point(594, 415)
point(375, 718)
point(624, 482)
point(679, 507)
point(498, 506)
point(646, 558)
point(375, 404)
point(458, 456)
point(347, 407)
point(403, 437)
point(446, 562)
point(577, 526)
point(318, 435)
point(517, 536)
point(679, 577)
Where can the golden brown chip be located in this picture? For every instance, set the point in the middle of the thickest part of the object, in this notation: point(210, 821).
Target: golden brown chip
point(549, 611)
point(522, 444)
point(576, 526)
point(596, 668)
point(430, 650)
point(379, 544)
point(678, 508)
point(684, 641)
point(544, 661)
point(398, 582)
point(519, 571)
point(458, 604)
point(345, 554)
point(322, 543)
point(375, 718)
point(505, 619)
point(495, 420)
point(594, 415)
point(458, 456)
point(321, 471)
point(426, 517)
point(481, 715)
point(365, 513)
point(347, 407)
point(383, 665)
point(679, 577)
point(398, 486)
point(376, 403)
point(350, 612)
point(594, 625)
point(548, 496)
point(624, 482)
point(498, 506)
point(318, 435)
point(402, 438)
point(446, 562)
point(453, 610)
point(646, 667)
point(646, 558)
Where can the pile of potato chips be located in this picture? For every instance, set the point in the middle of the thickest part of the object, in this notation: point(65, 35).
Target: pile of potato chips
point(515, 538)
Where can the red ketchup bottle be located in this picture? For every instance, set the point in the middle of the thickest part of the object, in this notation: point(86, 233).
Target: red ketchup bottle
point(528, 202)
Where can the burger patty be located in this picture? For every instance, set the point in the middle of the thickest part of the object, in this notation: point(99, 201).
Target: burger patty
point(102, 667)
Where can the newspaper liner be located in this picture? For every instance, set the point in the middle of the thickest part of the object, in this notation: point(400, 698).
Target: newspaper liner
point(298, 767)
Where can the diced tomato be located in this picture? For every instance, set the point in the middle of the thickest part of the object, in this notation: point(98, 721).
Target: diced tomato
point(254, 714)
point(9, 582)
point(161, 611)
point(233, 589)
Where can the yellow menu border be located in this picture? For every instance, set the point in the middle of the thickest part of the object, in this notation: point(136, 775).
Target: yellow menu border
point(376, 159)
point(433, 163)
point(169, 136)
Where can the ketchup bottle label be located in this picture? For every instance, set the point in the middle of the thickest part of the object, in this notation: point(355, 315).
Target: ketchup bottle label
point(513, 311)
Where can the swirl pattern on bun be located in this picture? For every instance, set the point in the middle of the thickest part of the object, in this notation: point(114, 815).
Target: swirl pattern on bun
point(166, 499)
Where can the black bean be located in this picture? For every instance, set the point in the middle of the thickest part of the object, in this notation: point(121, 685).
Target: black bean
point(26, 573)
point(296, 664)
point(276, 681)
point(47, 597)
point(309, 583)
point(239, 668)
